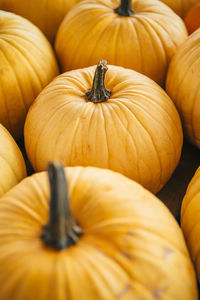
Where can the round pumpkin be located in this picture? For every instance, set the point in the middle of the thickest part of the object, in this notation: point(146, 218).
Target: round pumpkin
point(183, 86)
point(192, 19)
point(45, 14)
point(142, 36)
point(128, 125)
point(103, 237)
point(13, 168)
point(190, 219)
point(180, 7)
point(27, 65)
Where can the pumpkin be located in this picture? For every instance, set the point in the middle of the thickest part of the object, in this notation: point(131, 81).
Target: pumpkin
point(183, 85)
point(27, 64)
point(45, 14)
point(101, 237)
point(142, 36)
point(128, 124)
point(180, 7)
point(13, 168)
point(192, 19)
point(190, 219)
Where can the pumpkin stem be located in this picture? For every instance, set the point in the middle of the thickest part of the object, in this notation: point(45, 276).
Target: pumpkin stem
point(125, 9)
point(62, 230)
point(98, 93)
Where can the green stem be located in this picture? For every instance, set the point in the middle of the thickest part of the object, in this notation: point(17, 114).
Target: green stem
point(98, 93)
point(62, 230)
point(125, 9)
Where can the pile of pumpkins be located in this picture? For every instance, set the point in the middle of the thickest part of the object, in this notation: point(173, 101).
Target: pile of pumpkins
point(102, 92)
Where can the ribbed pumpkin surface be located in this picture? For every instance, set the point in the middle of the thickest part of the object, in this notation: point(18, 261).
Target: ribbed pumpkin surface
point(136, 132)
point(131, 246)
point(190, 219)
point(46, 14)
point(12, 165)
point(144, 41)
point(27, 65)
point(183, 86)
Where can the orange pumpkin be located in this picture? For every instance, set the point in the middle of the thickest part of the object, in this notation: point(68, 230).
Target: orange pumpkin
point(130, 126)
point(46, 14)
point(183, 86)
point(190, 219)
point(27, 64)
point(192, 19)
point(105, 238)
point(142, 37)
point(180, 7)
point(13, 168)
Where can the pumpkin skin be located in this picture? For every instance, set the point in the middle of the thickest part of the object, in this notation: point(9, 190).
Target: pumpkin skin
point(180, 7)
point(144, 41)
point(183, 86)
point(192, 19)
point(27, 65)
point(129, 239)
point(190, 219)
point(13, 168)
point(136, 132)
point(45, 14)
